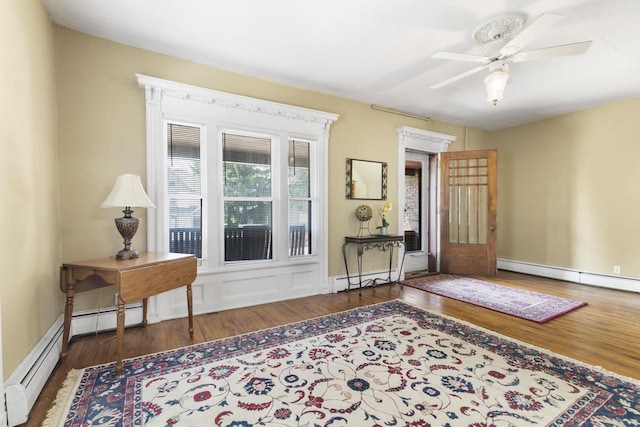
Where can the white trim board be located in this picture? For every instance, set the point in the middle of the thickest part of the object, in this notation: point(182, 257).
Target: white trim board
point(24, 385)
point(570, 275)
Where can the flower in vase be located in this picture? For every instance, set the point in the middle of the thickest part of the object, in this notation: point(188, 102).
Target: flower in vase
point(385, 208)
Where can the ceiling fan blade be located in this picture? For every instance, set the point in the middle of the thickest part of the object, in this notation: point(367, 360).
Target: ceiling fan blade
point(552, 52)
point(461, 57)
point(539, 26)
point(459, 76)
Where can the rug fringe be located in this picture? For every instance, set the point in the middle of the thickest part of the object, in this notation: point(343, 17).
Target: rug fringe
point(63, 399)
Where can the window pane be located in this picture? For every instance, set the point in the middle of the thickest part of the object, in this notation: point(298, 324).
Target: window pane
point(184, 187)
point(183, 144)
point(247, 230)
point(247, 166)
point(185, 226)
point(299, 227)
point(299, 198)
point(299, 169)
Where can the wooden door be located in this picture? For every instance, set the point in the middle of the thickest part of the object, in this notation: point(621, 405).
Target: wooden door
point(468, 212)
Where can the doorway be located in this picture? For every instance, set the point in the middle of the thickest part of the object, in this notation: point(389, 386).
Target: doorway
point(417, 211)
point(418, 195)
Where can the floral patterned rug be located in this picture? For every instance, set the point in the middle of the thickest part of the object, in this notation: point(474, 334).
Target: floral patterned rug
point(389, 364)
point(522, 303)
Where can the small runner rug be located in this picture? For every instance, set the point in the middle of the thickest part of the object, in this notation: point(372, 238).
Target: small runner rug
point(516, 302)
point(389, 364)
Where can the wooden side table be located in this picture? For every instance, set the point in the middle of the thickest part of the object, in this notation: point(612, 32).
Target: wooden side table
point(135, 279)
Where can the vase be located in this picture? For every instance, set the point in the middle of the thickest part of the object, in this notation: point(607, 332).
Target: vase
point(384, 230)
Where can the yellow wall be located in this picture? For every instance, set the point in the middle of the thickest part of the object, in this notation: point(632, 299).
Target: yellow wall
point(30, 256)
point(102, 134)
point(568, 192)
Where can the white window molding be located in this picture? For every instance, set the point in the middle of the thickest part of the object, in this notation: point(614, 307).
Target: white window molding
point(168, 100)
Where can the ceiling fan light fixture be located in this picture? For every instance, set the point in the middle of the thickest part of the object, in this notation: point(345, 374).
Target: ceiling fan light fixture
point(495, 82)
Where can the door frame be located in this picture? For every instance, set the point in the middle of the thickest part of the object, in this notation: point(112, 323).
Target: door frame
point(418, 260)
point(427, 142)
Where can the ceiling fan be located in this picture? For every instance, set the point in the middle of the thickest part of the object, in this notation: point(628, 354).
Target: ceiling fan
point(502, 29)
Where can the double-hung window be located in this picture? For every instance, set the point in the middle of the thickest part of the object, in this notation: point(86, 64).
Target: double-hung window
point(247, 196)
point(184, 188)
point(242, 184)
point(299, 174)
point(248, 202)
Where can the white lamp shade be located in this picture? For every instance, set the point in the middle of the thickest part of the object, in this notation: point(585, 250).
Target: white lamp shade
point(127, 191)
point(496, 82)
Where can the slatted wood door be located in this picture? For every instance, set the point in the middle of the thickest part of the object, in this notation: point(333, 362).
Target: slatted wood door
point(468, 212)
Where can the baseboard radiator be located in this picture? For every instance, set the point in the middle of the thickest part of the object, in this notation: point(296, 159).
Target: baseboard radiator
point(569, 275)
point(25, 383)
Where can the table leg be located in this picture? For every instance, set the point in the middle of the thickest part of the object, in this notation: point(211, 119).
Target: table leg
point(119, 335)
point(390, 263)
point(144, 312)
point(346, 265)
point(190, 309)
point(68, 314)
point(360, 252)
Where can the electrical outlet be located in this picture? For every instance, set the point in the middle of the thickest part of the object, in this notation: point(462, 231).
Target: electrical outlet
point(616, 269)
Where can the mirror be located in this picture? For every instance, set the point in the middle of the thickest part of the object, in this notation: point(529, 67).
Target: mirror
point(366, 180)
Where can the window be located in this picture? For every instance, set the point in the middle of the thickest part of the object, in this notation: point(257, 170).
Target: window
point(184, 189)
point(300, 202)
point(240, 183)
point(248, 202)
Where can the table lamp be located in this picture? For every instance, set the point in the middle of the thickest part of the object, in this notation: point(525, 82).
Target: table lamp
point(127, 192)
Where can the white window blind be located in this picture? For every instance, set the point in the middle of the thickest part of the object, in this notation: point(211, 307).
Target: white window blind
point(184, 189)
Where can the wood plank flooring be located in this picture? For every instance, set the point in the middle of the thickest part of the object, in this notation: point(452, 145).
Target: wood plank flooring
point(605, 333)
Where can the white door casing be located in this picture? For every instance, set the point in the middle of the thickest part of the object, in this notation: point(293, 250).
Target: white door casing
point(428, 142)
point(418, 260)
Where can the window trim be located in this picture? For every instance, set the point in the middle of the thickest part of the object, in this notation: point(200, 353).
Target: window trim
point(167, 100)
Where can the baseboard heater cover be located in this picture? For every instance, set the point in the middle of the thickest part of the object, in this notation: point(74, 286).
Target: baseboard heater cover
point(570, 275)
point(24, 385)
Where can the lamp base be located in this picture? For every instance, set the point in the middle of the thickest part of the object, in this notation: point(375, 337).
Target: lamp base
point(128, 254)
point(127, 227)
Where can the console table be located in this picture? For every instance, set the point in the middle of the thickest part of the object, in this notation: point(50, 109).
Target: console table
point(135, 279)
point(381, 242)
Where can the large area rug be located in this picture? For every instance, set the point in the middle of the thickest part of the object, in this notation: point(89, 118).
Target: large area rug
point(522, 303)
point(389, 364)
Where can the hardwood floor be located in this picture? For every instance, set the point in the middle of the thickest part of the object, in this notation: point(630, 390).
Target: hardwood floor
point(605, 333)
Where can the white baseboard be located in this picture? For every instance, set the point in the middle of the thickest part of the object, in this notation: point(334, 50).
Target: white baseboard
point(569, 275)
point(25, 383)
point(92, 321)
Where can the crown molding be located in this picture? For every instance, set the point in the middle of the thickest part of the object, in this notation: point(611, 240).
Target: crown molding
point(155, 86)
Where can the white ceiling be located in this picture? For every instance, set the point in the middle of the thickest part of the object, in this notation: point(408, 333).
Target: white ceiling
point(379, 51)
